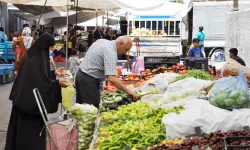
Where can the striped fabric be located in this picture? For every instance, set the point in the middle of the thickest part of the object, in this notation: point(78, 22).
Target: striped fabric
point(100, 59)
point(65, 139)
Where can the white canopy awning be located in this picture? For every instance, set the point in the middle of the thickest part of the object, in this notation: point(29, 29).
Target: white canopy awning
point(166, 9)
point(91, 4)
point(95, 4)
point(93, 22)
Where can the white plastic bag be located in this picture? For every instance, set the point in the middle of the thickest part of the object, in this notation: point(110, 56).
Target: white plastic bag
point(152, 99)
point(176, 96)
point(160, 82)
point(187, 83)
point(230, 92)
point(200, 113)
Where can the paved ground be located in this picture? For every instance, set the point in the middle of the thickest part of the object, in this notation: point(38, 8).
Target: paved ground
point(5, 109)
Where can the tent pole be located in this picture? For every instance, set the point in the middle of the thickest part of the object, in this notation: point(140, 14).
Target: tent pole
point(76, 18)
point(107, 19)
point(67, 40)
point(103, 19)
point(41, 13)
point(96, 19)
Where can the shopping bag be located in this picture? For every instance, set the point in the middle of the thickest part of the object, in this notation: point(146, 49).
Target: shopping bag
point(230, 92)
point(67, 96)
point(70, 45)
point(138, 65)
point(65, 138)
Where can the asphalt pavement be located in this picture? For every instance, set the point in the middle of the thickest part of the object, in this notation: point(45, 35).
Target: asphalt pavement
point(5, 109)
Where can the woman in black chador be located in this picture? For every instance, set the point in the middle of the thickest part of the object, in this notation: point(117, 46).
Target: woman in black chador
point(26, 122)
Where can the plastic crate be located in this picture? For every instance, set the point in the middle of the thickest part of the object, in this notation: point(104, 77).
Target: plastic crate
point(3, 79)
point(196, 63)
point(1, 71)
point(8, 77)
point(228, 146)
point(6, 73)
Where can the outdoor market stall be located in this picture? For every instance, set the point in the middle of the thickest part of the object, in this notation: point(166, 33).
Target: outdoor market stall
point(174, 112)
point(179, 108)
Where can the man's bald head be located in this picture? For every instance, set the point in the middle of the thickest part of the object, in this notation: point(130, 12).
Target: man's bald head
point(123, 44)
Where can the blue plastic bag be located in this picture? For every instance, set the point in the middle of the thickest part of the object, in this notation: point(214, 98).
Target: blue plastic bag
point(230, 92)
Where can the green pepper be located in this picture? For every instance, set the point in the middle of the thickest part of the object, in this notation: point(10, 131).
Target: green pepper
point(114, 148)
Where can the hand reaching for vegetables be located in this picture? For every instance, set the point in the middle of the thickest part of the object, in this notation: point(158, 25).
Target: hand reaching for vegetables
point(133, 95)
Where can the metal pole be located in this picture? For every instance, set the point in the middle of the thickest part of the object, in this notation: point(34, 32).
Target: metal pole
point(67, 33)
point(96, 18)
point(41, 13)
point(236, 5)
point(128, 23)
point(76, 18)
point(107, 19)
point(103, 19)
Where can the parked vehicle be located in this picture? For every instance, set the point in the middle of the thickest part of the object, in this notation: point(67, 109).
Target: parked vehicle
point(212, 16)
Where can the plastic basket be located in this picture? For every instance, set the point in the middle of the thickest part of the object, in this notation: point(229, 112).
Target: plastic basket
point(229, 146)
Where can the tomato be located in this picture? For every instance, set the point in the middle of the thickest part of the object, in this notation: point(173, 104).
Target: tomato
point(135, 75)
point(130, 78)
point(147, 70)
point(180, 66)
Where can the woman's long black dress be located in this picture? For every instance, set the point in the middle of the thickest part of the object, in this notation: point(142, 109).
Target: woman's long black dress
point(26, 122)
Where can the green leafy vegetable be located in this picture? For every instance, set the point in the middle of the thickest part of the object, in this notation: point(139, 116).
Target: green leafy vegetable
point(198, 74)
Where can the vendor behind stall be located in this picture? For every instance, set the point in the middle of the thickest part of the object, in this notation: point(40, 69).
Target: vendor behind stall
point(195, 51)
point(98, 64)
point(233, 53)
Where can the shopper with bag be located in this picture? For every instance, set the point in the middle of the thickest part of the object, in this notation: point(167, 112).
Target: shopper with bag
point(98, 65)
point(26, 127)
point(21, 45)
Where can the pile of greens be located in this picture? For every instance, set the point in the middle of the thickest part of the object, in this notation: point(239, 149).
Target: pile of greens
point(135, 125)
point(195, 73)
point(111, 101)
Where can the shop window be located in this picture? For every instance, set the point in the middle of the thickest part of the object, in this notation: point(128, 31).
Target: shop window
point(154, 27)
point(177, 28)
point(142, 24)
point(160, 28)
point(171, 28)
point(136, 24)
point(166, 28)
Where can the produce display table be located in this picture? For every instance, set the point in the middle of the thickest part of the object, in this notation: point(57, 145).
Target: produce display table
point(174, 112)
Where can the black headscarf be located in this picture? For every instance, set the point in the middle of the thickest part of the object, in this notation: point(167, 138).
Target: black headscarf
point(35, 73)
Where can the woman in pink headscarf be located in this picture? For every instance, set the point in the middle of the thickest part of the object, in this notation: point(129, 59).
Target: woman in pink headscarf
point(23, 43)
